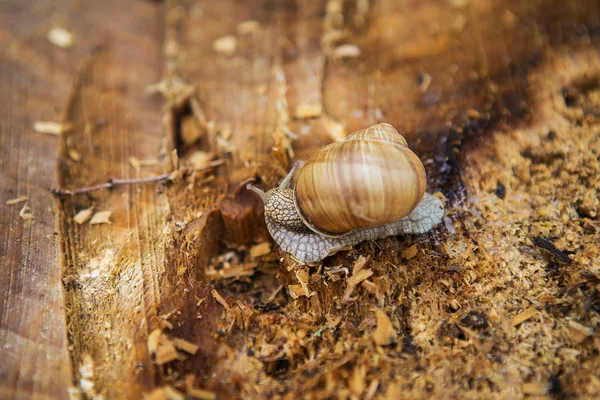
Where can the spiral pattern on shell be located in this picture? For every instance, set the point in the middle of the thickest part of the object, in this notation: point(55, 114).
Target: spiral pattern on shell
point(369, 179)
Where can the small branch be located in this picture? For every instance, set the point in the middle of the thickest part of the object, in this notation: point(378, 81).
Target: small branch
point(111, 183)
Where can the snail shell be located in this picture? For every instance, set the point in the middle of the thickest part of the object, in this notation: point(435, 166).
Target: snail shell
point(372, 178)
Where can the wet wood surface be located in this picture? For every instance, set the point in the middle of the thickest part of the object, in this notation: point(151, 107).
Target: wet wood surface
point(475, 86)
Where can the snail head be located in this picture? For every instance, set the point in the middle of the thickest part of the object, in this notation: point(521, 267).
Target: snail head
point(279, 204)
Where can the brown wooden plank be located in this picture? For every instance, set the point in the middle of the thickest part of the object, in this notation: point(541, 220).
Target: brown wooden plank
point(34, 357)
point(36, 78)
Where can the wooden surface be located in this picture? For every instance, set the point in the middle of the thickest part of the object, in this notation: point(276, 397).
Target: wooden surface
point(475, 86)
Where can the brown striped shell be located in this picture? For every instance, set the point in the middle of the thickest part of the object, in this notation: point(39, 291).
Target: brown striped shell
point(369, 179)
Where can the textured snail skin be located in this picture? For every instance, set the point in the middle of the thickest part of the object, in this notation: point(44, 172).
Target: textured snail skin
point(309, 247)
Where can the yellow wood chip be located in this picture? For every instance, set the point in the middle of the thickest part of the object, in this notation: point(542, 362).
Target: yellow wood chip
point(225, 45)
point(83, 216)
point(220, 299)
point(135, 163)
point(523, 316)
point(51, 128)
point(346, 51)
point(584, 330)
point(74, 155)
point(25, 213)
point(200, 159)
point(101, 217)
point(154, 340)
point(201, 394)
point(247, 27)
point(384, 333)
point(60, 37)
point(410, 252)
point(533, 388)
point(358, 275)
point(16, 201)
point(173, 394)
point(166, 352)
point(260, 249)
point(304, 111)
point(156, 394)
point(186, 346)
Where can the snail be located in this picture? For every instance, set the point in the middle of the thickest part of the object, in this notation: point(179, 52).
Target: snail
point(367, 187)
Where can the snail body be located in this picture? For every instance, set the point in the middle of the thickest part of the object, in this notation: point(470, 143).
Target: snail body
point(367, 187)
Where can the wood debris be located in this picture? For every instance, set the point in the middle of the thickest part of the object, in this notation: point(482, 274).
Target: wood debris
point(25, 213)
point(166, 352)
point(524, 316)
point(226, 45)
point(173, 394)
point(186, 346)
point(195, 392)
point(220, 299)
point(16, 201)
point(83, 216)
point(247, 27)
point(200, 159)
point(101, 217)
point(410, 252)
point(305, 111)
point(548, 245)
point(358, 275)
point(135, 163)
point(61, 37)
point(384, 333)
point(74, 155)
point(154, 340)
point(165, 393)
point(346, 51)
point(533, 389)
point(201, 394)
point(260, 249)
point(52, 128)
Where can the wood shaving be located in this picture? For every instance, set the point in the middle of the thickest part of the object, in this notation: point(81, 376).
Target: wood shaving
point(83, 216)
point(357, 382)
point(409, 253)
point(226, 45)
point(524, 316)
point(61, 37)
point(166, 352)
point(533, 389)
point(247, 27)
point(346, 51)
point(154, 340)
point(16, 201)
point(305, 111)
point(101, 217)
point(52, 128)
point(260, 249)
point(173, 394)
point(135, 163)
point(358, 275)
point(200, 159)
point(156, 394)
point(186, 346)
point(201, 394)
point(220, 299)
point(74, 155)
point(191, 130)
point(25, 213)
point(384, 333)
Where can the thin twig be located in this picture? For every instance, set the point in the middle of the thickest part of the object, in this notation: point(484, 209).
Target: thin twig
point(111, 183)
